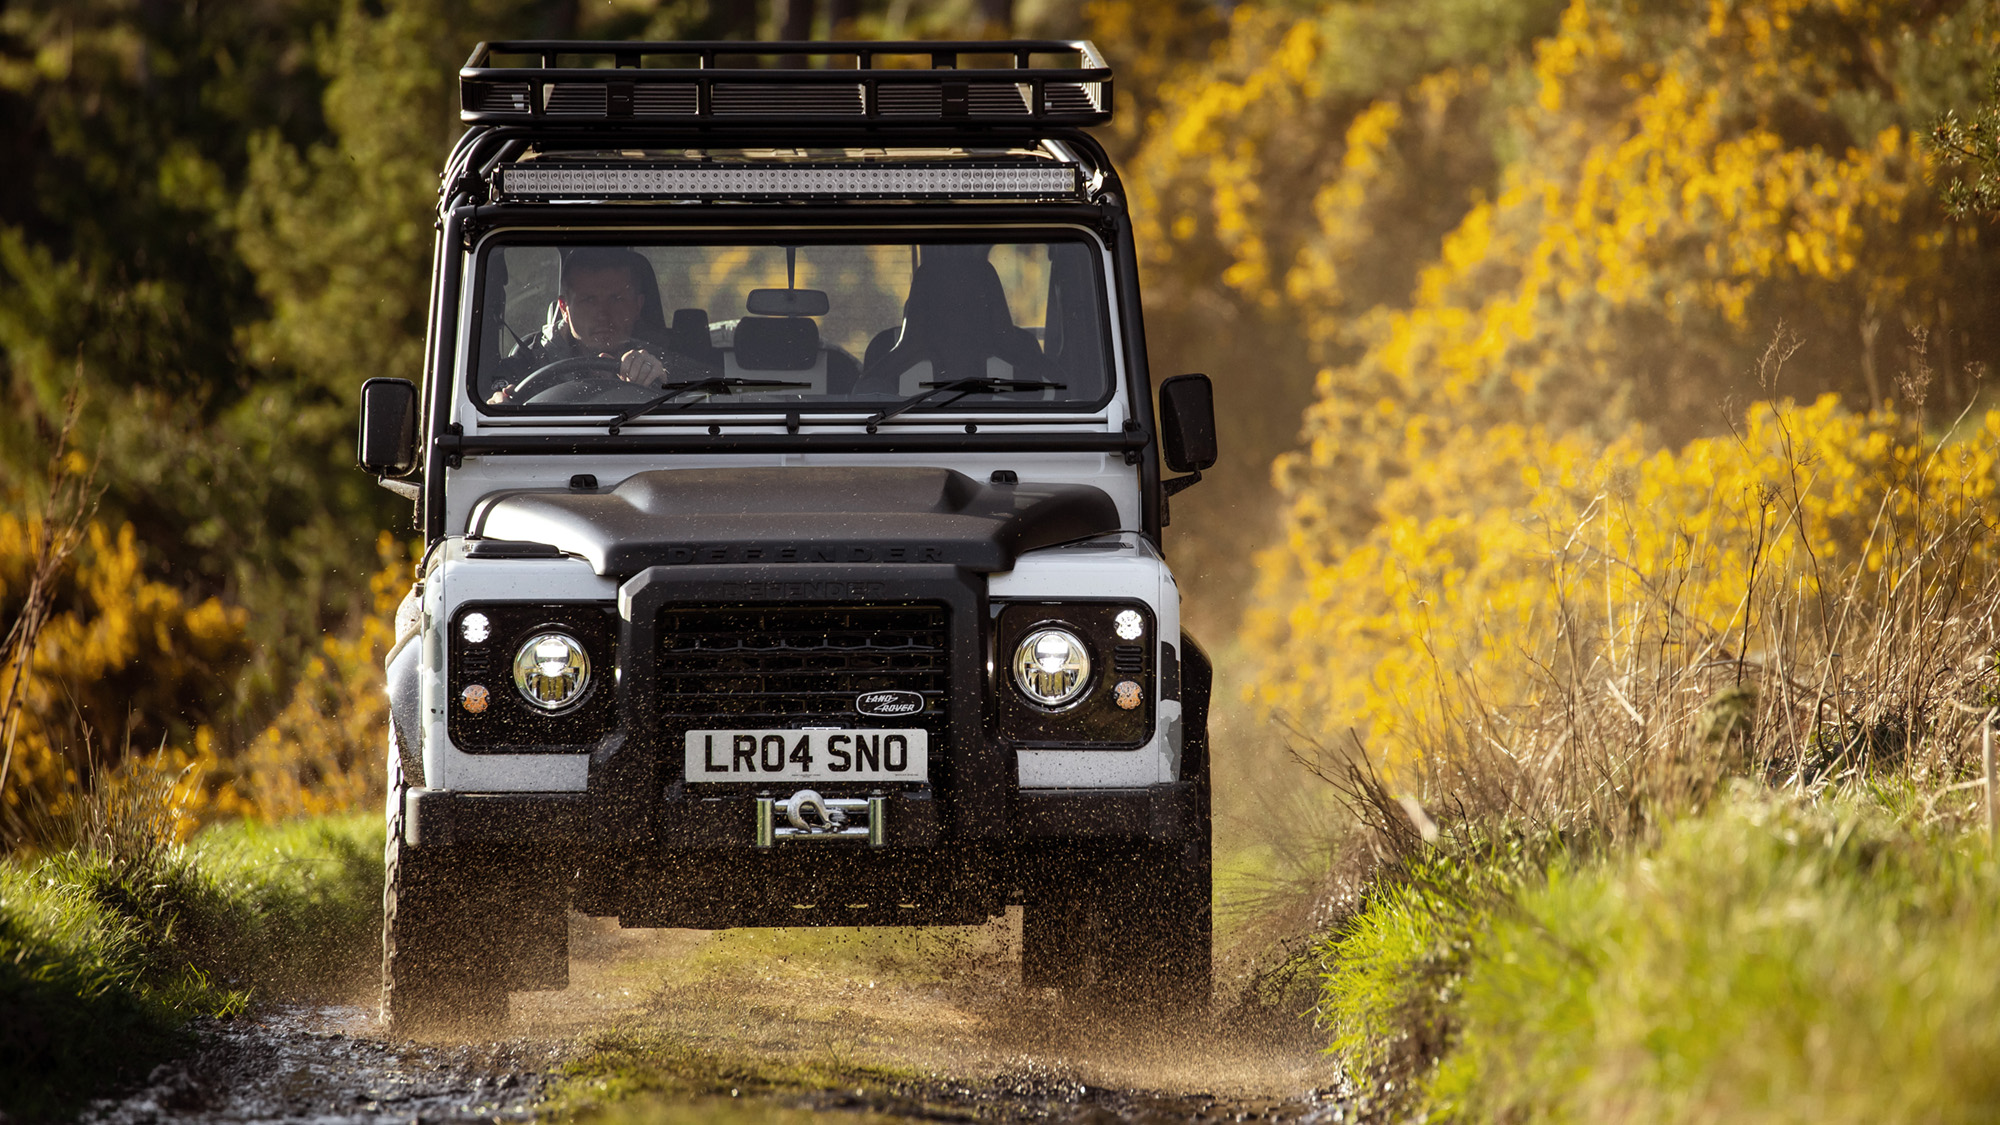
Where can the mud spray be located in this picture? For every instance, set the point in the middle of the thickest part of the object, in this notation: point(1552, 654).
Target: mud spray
point(933, 1021)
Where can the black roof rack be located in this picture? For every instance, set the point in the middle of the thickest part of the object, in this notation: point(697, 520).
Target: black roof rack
point(867, 85)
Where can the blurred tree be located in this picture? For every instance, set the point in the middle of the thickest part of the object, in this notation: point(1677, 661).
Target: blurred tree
point(1252, 137)
point(1428, 215)
point(1973, 144)
point(118, 269)
point(795, 20)
point(1659, 189)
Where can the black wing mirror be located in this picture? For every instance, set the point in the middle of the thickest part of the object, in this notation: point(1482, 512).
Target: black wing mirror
point(1187, 425)
point(389, 427)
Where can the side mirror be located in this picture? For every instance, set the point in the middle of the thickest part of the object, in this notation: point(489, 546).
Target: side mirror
point(388, 445)
point(1187, 423)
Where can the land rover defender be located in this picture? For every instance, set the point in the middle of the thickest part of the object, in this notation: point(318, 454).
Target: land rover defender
point(791, 487)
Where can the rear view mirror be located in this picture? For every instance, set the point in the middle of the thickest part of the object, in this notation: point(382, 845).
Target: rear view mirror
point(787, 302)
point(388, 446)
point(1187, 423)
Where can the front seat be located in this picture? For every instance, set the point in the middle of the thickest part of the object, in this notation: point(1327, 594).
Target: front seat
point(955, 323)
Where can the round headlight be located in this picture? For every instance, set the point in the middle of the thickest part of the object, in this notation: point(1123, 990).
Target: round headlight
point(1051, 666)
point(552, 671)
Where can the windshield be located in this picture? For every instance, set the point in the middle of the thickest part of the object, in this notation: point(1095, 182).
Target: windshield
point(807, 326)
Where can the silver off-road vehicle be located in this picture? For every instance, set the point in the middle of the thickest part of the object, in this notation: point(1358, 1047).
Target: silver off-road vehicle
point(787, 465)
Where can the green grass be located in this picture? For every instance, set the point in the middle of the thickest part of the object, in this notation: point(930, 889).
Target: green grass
point(802, 1018)
point(648, 1074)
point(724, 1110)
point(105, 956)
point(1767, 960)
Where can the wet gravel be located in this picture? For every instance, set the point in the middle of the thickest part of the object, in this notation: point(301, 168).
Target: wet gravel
point(1031, 1097)
point(332, 1065)
point(329, 1066)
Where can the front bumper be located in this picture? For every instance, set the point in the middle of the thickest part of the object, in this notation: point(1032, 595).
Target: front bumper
point(584, 822)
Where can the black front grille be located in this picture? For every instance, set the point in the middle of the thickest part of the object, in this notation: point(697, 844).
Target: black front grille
point(760, 667)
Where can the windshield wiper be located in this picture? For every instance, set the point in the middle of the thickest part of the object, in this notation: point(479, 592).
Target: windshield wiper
point(958, 389)
point(672, 391)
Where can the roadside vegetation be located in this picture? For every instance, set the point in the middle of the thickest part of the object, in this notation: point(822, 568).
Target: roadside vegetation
point(1633, 584)
point(112, 942)
point(1713, 844)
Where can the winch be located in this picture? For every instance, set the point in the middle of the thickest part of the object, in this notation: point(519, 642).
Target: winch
point(807, 817)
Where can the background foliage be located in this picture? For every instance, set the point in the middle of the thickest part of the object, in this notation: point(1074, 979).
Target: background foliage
point(1479, 277)
point(218, 222)
point(1512, 237)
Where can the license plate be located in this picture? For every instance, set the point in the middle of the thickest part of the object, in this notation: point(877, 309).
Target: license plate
point(808, 755)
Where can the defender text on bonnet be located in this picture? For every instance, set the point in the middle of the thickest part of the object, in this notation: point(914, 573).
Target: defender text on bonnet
point(788, 468)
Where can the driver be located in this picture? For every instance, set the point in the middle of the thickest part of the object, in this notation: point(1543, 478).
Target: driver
point(608, 305)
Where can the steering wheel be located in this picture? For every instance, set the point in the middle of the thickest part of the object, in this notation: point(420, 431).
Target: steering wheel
point(562, 371)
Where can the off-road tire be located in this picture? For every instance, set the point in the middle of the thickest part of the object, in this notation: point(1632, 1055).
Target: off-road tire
point(437, 965)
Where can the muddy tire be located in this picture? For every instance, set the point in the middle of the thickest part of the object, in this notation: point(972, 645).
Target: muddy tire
point(436, 956)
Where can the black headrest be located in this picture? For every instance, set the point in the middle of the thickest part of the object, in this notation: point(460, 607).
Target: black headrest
point(690, 323)
point(955, 294)
point(777, 343)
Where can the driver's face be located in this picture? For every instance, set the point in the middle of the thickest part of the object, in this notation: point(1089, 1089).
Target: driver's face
point(600, 307)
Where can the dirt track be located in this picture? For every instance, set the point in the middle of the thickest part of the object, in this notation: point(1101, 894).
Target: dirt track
point(933, 1021)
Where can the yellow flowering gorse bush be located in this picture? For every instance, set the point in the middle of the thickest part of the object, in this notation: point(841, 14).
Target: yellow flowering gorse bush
point(128, 676)
point(1536, 264)
point(1534, 552)
point(122, 661)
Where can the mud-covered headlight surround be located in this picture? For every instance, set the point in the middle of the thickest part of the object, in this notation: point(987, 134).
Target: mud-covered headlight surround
point(1052, 667)
point(552, 671)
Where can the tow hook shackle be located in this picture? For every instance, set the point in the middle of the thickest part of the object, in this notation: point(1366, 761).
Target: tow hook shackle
point(805, 816)
point(808, 812)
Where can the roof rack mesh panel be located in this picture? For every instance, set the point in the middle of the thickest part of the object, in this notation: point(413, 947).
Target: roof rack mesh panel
point(501, 97)
point(574, 99)
point(738, 99)
point(661, 99)
point(910, 101)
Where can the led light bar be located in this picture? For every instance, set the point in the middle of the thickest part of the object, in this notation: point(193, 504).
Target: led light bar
point(818, 181)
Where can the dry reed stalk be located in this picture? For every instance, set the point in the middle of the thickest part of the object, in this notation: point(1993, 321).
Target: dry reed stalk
point(67, 506)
